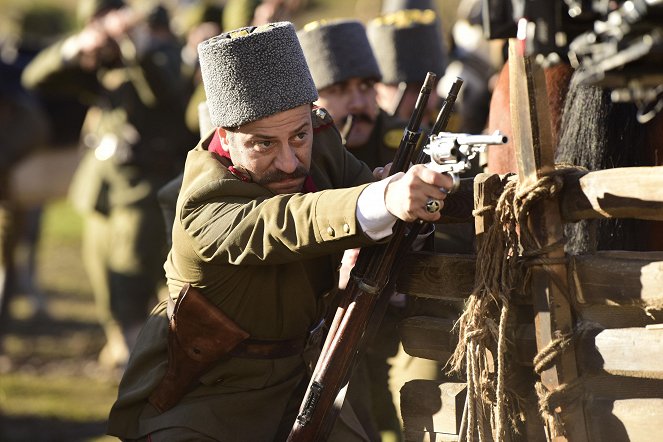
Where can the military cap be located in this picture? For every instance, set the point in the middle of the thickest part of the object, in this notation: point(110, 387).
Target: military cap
point(389, 6)
point(337, 50)
point(254, 72)
point(88, 9)
point(407, 45)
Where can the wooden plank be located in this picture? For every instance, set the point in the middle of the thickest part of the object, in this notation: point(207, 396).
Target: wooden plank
point(618, 316)
point(432, 406)
point(632, 352)
point(606, 386)
point(585, 195)
point(434, 338)
point(629, 192)
point(627, 352)
point(487, 188)
point(622, 278)
point(535, 157)
point(458, 205)
point(437, 275)
point(428, 337)
point(625, 420)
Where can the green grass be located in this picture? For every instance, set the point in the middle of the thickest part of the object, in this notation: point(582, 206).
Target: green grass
point(51, 386)
point(44, 396)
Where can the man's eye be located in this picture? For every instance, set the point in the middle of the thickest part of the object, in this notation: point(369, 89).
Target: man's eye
point(264, 144)
point(301, 136)
point(366, 85)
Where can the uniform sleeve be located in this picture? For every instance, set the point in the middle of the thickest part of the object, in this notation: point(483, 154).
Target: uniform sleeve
point(52, 74)
point(272, 230)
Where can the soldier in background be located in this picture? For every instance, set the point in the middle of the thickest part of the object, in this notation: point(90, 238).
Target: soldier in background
point(30, 125)
point(127, 67)
point(476, 60)
point(24, 127)
point(407, 45)
point(345, 72)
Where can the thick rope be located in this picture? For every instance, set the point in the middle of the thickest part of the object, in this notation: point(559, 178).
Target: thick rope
point(484, 323)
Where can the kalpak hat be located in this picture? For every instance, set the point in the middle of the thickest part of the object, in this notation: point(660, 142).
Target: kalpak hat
point(254, 72)
point(407, 45)
point(337, 50)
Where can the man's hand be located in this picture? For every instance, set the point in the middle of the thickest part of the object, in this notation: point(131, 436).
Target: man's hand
point(408, 193)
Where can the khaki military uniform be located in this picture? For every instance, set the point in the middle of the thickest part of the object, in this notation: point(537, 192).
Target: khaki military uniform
point(134, 134)
point(265, 260)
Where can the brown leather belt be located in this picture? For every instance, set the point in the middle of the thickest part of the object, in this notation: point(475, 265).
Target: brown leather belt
point(268, 349)
point(263, 349)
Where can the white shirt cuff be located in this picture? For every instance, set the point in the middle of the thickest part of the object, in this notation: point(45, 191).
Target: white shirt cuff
point(374, 218)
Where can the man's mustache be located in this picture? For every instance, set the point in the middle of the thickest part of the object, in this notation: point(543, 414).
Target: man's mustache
point(359, 118)
point(278, 176)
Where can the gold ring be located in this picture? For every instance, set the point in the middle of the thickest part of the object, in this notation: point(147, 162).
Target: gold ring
point(433, 206)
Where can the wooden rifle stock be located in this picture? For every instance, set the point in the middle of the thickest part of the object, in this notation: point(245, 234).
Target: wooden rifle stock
point(368, 287)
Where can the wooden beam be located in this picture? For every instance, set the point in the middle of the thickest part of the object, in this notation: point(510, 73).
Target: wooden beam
point(618, 277)
point(428, 337)
point(534, 146)
point(628, 192)
point(458, 205)
point(432, 406)
point(627, 352)
point(618, 316)
point(625, 420)
point(439, 276)
point(632, 352)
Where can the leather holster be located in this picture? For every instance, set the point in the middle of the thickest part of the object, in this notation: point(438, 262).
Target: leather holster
point(199, 334)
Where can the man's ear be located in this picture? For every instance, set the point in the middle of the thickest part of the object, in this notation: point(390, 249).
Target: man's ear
point(224, 138)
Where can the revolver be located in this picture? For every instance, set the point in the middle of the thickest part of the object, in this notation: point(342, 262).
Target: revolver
point(451, 152)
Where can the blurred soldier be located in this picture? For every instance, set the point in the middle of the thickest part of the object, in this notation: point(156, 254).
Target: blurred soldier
point(407, 45)
point(24, 127)
point(30, 124)
point(128, 67)
point(199, 22)
point(473, 60)
point(239, 13)
point(345, 72)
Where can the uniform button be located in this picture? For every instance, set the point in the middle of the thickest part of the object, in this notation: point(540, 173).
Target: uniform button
point(346, 228)
point(330, 231)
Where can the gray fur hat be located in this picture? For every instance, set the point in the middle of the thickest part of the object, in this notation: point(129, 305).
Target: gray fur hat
point(337, 50)
point(407, 45)
point(254, 72)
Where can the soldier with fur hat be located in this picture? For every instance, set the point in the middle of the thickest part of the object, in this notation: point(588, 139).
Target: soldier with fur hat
point(345, 71)
point(407, 45)
point(270, 199)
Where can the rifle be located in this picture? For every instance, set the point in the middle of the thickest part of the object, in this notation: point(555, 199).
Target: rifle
point(364, 301)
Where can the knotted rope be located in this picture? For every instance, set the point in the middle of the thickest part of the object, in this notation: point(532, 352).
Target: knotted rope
point(503, 258)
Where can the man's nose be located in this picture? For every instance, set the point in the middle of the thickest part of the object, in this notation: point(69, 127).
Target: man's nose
point(287, 160)
point(358, 101)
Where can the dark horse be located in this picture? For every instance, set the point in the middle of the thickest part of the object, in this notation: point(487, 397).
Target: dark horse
point(592, 132)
